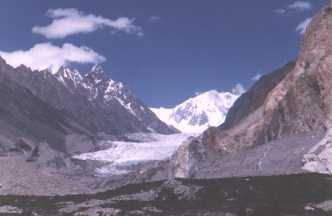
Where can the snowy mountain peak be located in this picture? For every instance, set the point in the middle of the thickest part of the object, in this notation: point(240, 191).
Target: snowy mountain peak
point(69, 76)
point(113, 87)
point(198, 113)
point(97, 74)
point(97, 69)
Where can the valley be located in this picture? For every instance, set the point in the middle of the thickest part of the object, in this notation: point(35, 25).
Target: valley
point(75, 141)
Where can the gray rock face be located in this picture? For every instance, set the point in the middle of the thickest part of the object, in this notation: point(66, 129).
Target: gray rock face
point(255, 96)
point(24, 115)
point(39, 106)
point(187, 159)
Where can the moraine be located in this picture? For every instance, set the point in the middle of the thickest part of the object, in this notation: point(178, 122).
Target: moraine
point(297, 195)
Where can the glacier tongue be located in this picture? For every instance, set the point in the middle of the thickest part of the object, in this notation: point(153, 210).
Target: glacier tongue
point(196, 114)
point(121, 155)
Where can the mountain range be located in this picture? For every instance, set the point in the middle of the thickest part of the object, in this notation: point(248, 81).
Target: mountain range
point(45, 106)
point(67, 133)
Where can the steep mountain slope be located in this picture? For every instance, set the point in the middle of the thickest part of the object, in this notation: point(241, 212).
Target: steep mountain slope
point(293, 104)
point(39, 105)
point(252, 99)
point(24, 115)
point(208, 109)
point(108, 92)
point(300, 102)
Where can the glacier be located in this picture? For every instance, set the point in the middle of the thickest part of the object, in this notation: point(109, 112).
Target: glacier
point(146, 147)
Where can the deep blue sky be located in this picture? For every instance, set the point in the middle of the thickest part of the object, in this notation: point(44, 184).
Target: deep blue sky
point(195, 46)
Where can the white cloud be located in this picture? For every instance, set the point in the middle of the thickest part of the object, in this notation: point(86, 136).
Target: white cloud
point(46, 55)
point(154, 19)
point(238, 89)
point(300, 5)
point(71, 21)
point(295, 6)
point(256, 77)
point(280, 11)
point(302, 27)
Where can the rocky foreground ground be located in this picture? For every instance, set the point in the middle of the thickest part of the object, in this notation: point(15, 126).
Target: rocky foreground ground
point(297, 195)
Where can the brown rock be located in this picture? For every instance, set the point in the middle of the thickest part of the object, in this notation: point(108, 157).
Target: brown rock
point(300, 101)
point(293, 101)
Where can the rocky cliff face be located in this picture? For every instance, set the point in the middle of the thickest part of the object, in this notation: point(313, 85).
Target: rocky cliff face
point(25, 115)
point(299, 101)
point(292, 102)
point(244, 122)
point(302, 102)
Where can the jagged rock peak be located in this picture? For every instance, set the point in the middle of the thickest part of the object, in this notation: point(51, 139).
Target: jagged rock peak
point(69, 73)
point(69, 76)
point(97, 74)
point(22, 67)
point(97, 68)
point(317, 39)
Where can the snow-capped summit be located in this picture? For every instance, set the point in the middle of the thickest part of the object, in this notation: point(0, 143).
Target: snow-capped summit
point(97, 68)
point(200, 112)
point(69, 76)
point(101, 86)
point(96, 75)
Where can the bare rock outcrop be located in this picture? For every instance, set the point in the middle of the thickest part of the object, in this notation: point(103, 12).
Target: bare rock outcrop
point(300, 102)
point(184, 162)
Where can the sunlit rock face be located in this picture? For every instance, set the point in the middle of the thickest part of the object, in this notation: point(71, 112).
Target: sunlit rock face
point(301, 101)
point(185, 162)
point(294, 101)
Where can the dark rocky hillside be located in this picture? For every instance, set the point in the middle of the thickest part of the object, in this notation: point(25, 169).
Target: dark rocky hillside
point(41, 106)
